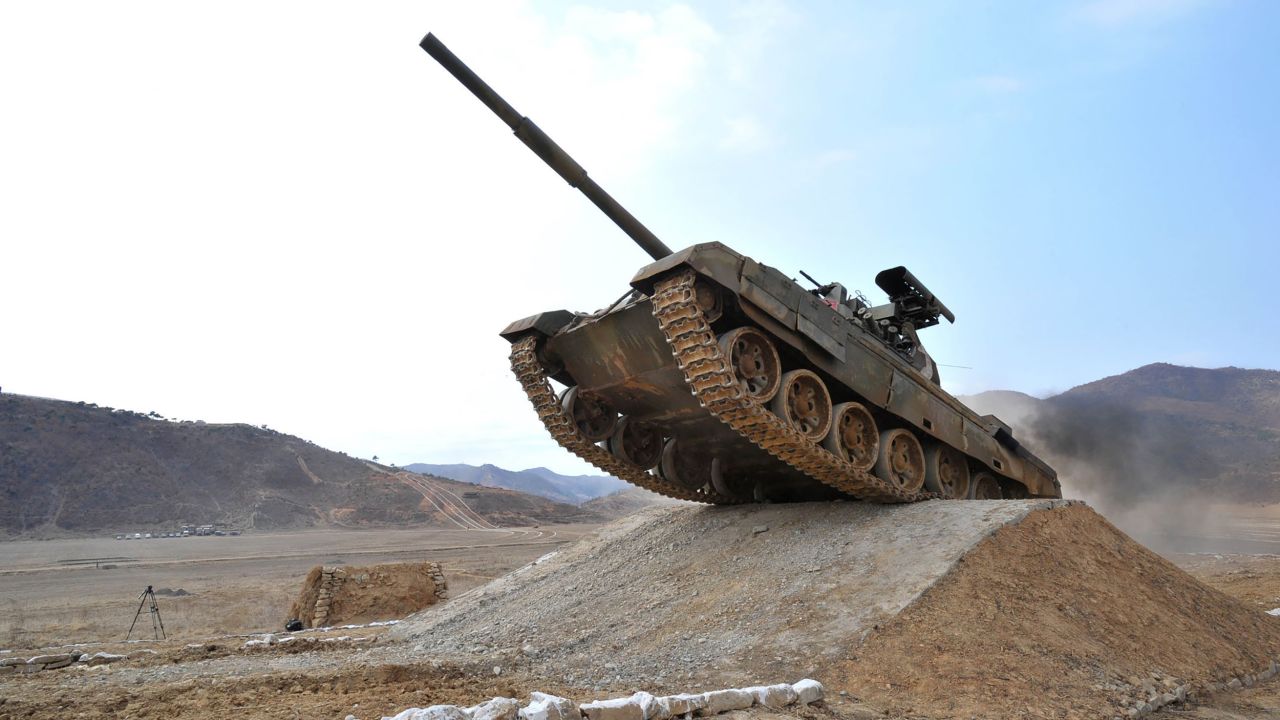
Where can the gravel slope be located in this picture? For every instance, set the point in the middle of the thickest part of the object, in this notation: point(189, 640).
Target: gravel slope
point(721, 596)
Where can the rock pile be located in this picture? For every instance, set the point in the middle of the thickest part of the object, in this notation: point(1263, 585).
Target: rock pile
point(640, 706)
point(57, 661)
point(1147, 695)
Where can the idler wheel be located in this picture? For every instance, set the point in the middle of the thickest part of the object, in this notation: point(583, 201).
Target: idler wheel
point(804, 403)
point(754, 360)
point(984, 486)
point(853, 435)
point(709, 299)
point(594, 418)
point(636, 443)
point(946, 471)
point(900, 461)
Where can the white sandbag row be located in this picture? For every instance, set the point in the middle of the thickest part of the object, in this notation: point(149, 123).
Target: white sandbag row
point(640, 706)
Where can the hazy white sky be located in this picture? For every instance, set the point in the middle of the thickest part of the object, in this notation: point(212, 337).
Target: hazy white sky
point(286, 213)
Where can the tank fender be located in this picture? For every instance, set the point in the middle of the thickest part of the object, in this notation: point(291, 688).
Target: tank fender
point(544, 323)
point(712, 260)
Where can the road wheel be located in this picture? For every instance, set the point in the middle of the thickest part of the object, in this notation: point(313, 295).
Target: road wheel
point(900, 461)
point(946, 471)
point(636, 443)
point(682, 469)
point(984, 486)
point(594, 418)
point(754, 361)
point(854, 436)
point(804, 403)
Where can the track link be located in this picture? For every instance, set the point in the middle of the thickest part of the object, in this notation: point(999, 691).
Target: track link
point(533, 378)
point(712, 382)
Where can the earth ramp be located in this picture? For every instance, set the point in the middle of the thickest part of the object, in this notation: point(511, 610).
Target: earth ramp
point(718, 593)
point(1027, 608)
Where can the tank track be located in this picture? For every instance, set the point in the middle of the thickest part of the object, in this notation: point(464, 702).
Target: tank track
point(712, 382)
point(533, 378)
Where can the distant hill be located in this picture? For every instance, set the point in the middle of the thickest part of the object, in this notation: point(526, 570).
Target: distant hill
point(627, 501)
point(574, 489)
point(69, 467)
point(1155, 430)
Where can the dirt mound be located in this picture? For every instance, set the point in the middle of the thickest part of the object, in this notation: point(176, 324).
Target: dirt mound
point(725, 594)
point(1063, 611)
point(941, 609)
point(352, 595)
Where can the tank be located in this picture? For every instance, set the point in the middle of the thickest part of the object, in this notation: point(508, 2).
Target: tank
point(718, 379)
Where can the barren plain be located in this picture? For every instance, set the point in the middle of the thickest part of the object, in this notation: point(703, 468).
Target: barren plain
point(51, 591)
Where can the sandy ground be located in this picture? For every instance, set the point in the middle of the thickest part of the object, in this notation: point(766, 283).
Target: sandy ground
point(220, 678)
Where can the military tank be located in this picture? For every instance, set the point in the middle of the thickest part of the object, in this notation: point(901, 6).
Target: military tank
point(719, 379)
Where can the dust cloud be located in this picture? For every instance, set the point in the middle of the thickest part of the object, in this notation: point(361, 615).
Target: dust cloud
point(1150, 475)
point(1146, 473)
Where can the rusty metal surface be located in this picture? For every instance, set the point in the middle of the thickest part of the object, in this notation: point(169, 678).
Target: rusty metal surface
point(711, 379)
point(533, 379)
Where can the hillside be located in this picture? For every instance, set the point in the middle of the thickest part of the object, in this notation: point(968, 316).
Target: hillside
point(573, 489)
point(75, 468)
point(626, 501)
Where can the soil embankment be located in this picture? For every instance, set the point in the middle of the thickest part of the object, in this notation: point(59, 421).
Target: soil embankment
point(937, 609)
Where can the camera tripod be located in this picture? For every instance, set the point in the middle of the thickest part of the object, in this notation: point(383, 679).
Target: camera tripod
point(157, 625)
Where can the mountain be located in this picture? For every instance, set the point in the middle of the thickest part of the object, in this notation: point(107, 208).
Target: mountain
point(574, 489)
point(1158, 431)
point(74, 468)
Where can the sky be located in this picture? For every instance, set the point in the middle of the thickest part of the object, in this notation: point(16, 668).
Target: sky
point(287, 214)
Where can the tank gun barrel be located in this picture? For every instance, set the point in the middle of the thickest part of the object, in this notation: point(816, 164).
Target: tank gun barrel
point(546, 149)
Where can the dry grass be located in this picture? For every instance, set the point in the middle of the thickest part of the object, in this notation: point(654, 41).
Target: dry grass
point(250, 606)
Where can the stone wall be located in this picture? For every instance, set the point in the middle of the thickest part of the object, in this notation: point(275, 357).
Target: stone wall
point(349, 594)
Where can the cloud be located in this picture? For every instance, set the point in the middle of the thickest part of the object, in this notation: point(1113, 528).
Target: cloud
point(1123, 13)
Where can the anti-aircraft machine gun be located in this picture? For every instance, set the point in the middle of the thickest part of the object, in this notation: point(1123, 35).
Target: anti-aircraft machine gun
point(721, 380)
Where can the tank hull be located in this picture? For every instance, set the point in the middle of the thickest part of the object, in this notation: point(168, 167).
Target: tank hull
point(628, 357)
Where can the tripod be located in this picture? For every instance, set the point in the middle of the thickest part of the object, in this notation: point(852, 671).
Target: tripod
point(157, 625)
